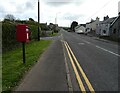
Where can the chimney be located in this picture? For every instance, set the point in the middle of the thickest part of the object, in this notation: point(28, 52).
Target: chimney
point(106, 17)
point(119, 14)
point(97, 18)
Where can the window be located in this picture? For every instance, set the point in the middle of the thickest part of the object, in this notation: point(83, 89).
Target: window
point(114, 31)
point(104, 31)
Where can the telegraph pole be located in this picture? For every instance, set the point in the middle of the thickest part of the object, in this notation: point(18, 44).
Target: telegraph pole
point(38, 21)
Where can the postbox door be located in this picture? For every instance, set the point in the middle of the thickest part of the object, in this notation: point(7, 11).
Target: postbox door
point(21, 33)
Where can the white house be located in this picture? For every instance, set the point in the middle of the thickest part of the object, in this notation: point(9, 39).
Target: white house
point(81, 27)
point(88, 27)
point(92, 26)
point(103, 28)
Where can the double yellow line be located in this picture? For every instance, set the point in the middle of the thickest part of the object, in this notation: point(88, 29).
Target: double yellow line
point(81, 86)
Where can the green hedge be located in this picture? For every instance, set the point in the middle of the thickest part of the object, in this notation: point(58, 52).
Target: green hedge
point(9, 35)
point(34, 31)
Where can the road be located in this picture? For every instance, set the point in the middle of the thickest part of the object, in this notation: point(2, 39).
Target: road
point(75, 62)
point(98, 59)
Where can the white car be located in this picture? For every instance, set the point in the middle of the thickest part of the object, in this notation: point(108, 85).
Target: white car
point(79, 32)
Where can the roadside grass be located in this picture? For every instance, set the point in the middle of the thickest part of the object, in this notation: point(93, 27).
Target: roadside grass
point(54, 34)
point(13, 68)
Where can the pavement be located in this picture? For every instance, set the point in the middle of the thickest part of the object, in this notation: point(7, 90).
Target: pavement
point(49, 73)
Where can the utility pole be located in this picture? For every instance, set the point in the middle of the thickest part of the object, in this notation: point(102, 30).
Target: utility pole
point(38, 21)
point(56, 17)
point(56, 20)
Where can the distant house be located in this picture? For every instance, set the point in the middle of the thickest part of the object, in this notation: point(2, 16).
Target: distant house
point(51, 25)
point(43, 26)
point(56, 28)
point(115, 28)
point(88, 27)
point(91, 26)
point(94, 24)
point(80, 27)
point(103, 28)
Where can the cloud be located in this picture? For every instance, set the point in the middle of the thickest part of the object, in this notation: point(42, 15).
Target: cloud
point(57, 3)
point(58, 0)
point(29, 5)
point(71, 17)
point(2, 9)
point(2, 12)
point(25, 7)
point(119, 6)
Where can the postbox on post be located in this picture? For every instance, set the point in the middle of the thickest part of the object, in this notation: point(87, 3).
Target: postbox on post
point(23, 35)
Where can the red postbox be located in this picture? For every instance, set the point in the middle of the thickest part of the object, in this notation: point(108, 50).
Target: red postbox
point(22, 33)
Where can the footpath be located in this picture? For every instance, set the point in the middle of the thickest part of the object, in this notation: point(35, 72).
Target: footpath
point(49, 73)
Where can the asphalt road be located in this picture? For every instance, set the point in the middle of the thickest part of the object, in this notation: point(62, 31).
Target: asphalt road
point(75, 62)
point(98, 59)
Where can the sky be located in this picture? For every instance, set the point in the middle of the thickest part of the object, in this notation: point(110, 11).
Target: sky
point(63, 11)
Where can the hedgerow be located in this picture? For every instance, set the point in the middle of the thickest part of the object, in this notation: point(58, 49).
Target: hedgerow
point(9, 41)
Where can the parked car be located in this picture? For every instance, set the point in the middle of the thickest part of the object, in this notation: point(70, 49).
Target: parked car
point(79, 32)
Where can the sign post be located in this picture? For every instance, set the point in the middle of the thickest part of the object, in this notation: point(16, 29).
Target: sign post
point(38, 21)
point(23, 49)
point(23, 36)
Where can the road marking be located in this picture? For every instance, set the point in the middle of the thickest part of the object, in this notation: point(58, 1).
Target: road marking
point(81, 86)
point(101, 48)
point(108, 51)
point(82, 72)
point(81, 43)
point(86, 41)
point(70, 87)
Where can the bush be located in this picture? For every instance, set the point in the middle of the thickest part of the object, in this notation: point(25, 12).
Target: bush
point(9, 36)
point(34, 31)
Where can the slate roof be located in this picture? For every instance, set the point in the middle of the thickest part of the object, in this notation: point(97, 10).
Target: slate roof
point(108, 21)
point(84, 25)
point(115, 20)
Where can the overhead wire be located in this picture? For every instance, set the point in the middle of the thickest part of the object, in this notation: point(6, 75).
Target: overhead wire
point(105, 5)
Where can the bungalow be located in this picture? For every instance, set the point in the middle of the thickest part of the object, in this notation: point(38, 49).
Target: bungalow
point(103, 28)
point(80, 27)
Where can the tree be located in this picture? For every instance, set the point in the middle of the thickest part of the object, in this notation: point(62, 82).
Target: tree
point(31, 19)
point(73, 25)
point(9, 17)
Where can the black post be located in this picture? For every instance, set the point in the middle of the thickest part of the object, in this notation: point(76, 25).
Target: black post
point(23, 48)
point(38, 22)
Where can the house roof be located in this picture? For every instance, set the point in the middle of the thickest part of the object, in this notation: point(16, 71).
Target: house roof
point(77, 26)
point(84, 25)
point(115, 20)
point(91, 21)
point(108, 21)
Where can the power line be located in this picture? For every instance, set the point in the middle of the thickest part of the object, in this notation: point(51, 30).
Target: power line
point(100, 9)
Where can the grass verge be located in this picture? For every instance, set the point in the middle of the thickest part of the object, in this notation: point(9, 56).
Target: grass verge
point(54, 34)
point(13, 68)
